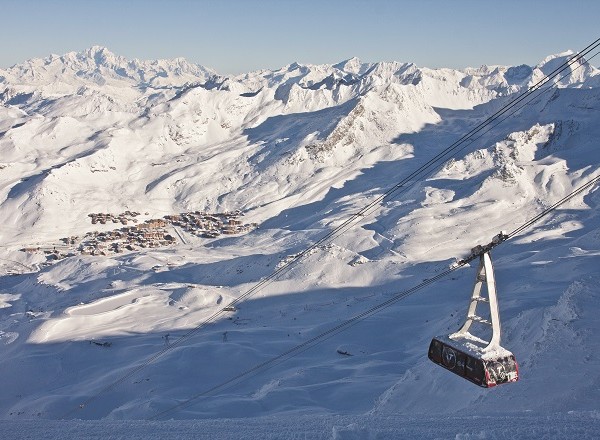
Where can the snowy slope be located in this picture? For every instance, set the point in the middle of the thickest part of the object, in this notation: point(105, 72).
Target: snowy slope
point(298, 151)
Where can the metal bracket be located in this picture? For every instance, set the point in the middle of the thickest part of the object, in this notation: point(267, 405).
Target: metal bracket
point(485, 274)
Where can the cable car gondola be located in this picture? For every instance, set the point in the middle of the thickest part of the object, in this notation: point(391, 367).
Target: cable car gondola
point(485, 363)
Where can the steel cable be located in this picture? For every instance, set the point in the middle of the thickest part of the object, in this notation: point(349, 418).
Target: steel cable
point(439, 158)
point(292, 352)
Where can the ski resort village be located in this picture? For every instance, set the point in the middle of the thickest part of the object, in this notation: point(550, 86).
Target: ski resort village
point(151, 233)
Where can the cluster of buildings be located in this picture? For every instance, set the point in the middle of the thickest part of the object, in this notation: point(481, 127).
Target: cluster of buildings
point(52, 253)
point(123, 218)
point(207, 225)
point(151, 233)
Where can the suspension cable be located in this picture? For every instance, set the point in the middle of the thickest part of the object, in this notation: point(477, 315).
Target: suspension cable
point(427, 168)
point(298, 349)
point(471, 140)
point(404, 184)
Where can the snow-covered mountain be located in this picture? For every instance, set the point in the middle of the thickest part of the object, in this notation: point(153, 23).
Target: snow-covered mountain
point(297, 151)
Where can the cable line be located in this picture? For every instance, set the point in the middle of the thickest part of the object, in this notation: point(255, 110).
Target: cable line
point(405, 184)
point(292, 352)
point(436, 160)
point(553, 207)
point(480, 135)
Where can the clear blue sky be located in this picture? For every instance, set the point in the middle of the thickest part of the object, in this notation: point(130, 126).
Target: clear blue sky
point(234, 36)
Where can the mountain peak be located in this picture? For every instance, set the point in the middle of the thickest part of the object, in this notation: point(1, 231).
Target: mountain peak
point(98, 49)
point(101, 55)
point(352, 65)
point(579, 69)
point(562, 55)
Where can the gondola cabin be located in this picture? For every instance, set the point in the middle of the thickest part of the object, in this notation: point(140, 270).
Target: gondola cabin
point(486, 370)
point(485, 363)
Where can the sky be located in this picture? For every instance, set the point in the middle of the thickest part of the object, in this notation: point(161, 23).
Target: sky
point(236, 36)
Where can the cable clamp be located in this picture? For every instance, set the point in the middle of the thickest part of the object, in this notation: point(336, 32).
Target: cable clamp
point(479, 250)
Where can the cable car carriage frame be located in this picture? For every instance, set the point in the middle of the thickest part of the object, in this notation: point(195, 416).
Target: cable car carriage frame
point(485, 363)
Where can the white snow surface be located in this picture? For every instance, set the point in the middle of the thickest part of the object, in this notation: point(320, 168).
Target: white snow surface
point(298, 150)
